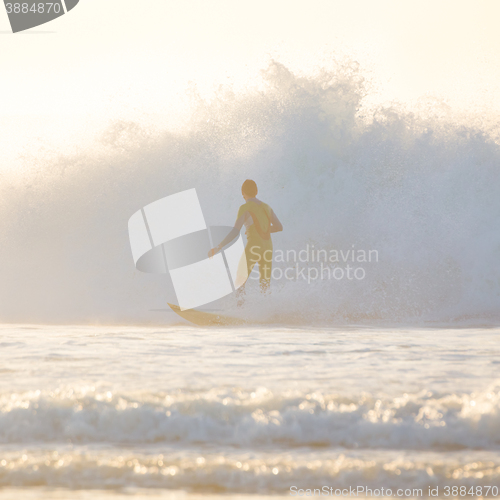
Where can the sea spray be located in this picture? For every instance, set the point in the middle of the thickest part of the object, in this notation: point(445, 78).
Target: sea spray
point(422, 192)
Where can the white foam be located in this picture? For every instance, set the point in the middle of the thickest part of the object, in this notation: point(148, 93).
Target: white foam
point(236, 472)
point(257, 420)
point(422, 192)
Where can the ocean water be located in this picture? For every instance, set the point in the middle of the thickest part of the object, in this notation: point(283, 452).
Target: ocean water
point(418, 188)
point(405, 396)
point(178, 411)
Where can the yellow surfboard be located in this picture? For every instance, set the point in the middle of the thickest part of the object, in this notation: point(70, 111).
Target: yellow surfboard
point(201, 318)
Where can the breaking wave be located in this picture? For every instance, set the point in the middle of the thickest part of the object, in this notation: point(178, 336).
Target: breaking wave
point(245, 473)
point(420, 190)
point(255, 420)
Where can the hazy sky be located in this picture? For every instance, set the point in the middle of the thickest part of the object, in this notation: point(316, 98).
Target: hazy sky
point(130, 58)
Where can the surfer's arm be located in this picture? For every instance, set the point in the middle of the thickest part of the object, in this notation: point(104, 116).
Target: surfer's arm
point(231, 236)
point(276, 225)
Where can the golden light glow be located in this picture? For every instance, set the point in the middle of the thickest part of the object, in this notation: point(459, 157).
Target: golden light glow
point(123, 59)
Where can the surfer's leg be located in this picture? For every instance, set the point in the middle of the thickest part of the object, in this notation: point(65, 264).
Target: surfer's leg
point(240, 296)
point(251, 260)
point(253, 255)
point(265, 268)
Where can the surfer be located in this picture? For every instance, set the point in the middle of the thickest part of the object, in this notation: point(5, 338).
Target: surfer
point(260, 221)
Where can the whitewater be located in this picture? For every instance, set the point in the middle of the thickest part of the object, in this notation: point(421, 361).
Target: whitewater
point(184, 410)
point(385, 379)
point(421, 190)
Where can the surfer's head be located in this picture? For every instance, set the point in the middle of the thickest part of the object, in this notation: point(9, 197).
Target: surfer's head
point(249, 189)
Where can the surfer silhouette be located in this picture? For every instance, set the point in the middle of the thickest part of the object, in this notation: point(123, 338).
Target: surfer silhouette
point(260, 221)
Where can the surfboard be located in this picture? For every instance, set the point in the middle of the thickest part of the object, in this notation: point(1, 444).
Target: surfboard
point(201, 318)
